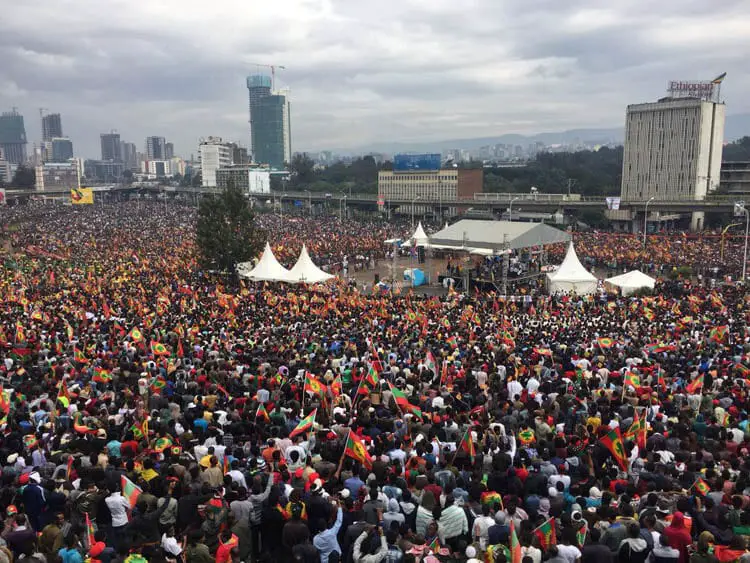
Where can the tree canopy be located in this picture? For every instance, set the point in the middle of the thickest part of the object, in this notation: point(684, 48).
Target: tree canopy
point(25, 177)
point(226, 232)
point(738, 150)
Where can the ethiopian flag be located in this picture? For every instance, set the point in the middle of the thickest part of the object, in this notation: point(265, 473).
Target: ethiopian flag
point(702, 487)
point(90, 532)
point(515, 546)
point(637, 430)
point(313, 386)
point(612, 440)
point(546, 534)
point(356, 450)
point(467, 445)
point(262, 413)
point(158, 349)
point(305, 424)
point(336, 387)
point(162, 443)
point(136, 335)
point(130, 490)
point(4, 402)
point(632, 380)
point(695, 385)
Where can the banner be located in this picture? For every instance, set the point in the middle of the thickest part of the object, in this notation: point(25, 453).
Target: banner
point(82, 196)
point(3, 201)
point(613, 203)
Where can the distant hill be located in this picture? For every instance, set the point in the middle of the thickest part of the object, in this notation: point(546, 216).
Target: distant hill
point(737, 125)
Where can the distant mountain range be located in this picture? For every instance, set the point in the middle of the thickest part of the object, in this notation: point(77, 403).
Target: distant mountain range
point(737, 126)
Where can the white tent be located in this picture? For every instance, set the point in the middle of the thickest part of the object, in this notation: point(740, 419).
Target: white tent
point(571, 276)
point(419, 238)
point(306, 271)
point(267, 268)
point(631, 282)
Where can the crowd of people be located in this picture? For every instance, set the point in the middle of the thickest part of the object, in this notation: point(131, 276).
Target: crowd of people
point(152, 412)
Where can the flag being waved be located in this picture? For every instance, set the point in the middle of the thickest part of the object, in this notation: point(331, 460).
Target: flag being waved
point(546, 534)
point(355, 449)
point(612, 440)
point(130, 490)
point(467, 445)
point(305, 424)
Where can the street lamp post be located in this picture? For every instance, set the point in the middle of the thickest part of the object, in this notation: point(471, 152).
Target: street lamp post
point(510, 208)
point(412, 209)
point(645, 220)
point(341, 199)
point(309, 201)
point(723, 234)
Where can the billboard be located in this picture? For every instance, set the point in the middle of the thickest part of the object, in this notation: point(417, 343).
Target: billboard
point(416, 162)
point(703, 89)
point(82, 196)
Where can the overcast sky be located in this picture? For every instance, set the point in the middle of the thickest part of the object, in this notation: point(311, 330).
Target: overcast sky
point(359, 71)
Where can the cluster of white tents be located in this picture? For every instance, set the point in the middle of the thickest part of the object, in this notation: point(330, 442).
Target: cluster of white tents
point(269, 269)
point(572, 277)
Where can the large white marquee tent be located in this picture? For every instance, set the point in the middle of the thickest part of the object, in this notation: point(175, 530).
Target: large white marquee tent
point(631, 282)
point(571, 276)
point(269, 269)
point(305, 270)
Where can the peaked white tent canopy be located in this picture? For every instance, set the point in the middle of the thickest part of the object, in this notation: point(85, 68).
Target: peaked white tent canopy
point(267, 268)
point(631, 282)
point(419, 238)
point(305, 270)
point(571, 276)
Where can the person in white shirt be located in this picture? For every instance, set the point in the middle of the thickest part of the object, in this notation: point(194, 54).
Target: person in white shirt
point(118, 507)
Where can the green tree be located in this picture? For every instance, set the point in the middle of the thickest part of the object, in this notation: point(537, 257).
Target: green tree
point(25, 177)
point(303, 169)
point(739, 150)
point(197, 180)
point(226, 232)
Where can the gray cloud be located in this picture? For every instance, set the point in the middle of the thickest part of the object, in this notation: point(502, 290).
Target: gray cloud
point(359, 72)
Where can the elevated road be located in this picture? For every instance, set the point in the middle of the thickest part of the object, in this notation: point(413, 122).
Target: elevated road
point(489, 202)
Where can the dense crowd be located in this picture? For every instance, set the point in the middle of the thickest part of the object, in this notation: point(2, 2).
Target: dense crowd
point(154, 413)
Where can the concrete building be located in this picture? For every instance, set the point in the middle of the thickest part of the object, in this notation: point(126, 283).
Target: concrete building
point(672, 149)
point(251, 178)
point(213, 154)
point(156, 148)
point(239, 154)
point(735, 178)
point(51, 127)
point(58, 175)
point(270, 123)
point(13, 137)
point(159, 168)
point(61, 149)
point(168, 151)
point(107, 171)
point(129, 156)
point(111, 148)
point(430, 186)
point(6, 174)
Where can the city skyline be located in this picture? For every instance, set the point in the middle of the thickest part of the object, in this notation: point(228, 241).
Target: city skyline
point(425, 72)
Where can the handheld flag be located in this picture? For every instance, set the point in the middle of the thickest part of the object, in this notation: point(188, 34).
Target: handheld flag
point(89, 531)
point(305, 424)
point(515, 546)
point(546, 534)
point(356, 450)
point(262, 413)
point(313, 386)
point(695, 385)
point(702, 487)
point(632, 379)
point(130, 490)
point(467, 445)
point(225, 465)
point(158, 349)
point(613, 442)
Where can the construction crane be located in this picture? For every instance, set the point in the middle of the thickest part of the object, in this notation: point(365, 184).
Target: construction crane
point(273, 72)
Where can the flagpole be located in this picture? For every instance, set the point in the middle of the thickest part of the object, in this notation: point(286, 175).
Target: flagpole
point(542, 524)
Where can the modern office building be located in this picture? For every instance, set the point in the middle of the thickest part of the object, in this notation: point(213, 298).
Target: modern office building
point(159, 168)
point(420, 179)
point(270, 123)
point(129, 155)
point(213, 153)
point(6, 174)
point(156, 148)
point(239, 154)
point(672, 149)
point(168, 151)
point(13, 137)
point(61, 149)
point(250, 178)
point(107, 171)
point(51, 126)
point(111, 147)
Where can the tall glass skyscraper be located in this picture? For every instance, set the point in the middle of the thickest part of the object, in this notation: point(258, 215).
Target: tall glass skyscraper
point(13, 137)
point(270, 128)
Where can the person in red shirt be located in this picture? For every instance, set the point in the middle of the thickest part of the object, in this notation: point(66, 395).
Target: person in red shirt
point(227, 541)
